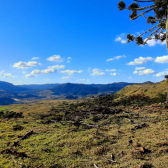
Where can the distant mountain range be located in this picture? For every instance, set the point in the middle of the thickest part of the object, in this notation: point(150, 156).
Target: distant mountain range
point(40, 86)
point(10, 87)
point(22, 93)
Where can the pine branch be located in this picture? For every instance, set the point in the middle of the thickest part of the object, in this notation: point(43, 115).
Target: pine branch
point(142, 14)
point(145, 7)
point(160, 32)
point(143, 1)
point(151, 35)
point(149, 30)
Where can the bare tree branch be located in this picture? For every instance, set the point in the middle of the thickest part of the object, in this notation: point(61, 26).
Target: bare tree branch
point(145, 42)
point(149, 30)
point(143, 1)
point(145, 7)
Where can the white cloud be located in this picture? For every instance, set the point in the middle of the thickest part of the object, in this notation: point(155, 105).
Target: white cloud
point(140, 60)
point(48, 71)
point(24, 72)
point(71, 72)
point(36, 71)
point(66, 77)
point(57, 67)
point(145, 72)
point(55, 58)
point(30, 75)
point(154, 42)
point(1, 73)
point(25, 65)
point(162, 59)
point(111, 70)
point(69, 58)
point(115, 58)
point(68, 61)
point(130, 77)
point(121, 38)
point(9, 75)
point(35, 58)
point(161, 74)
point(97, 71)
point(113, 74)
point(139, 68)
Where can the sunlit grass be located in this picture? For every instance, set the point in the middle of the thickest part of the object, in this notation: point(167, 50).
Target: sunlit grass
point(71, 146)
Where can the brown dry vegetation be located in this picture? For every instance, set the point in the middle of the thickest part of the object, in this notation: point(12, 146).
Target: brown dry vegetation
point(151, 90)
point(67, 134)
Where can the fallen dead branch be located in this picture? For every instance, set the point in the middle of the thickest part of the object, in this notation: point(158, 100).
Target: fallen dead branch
point(23, 137)
point(96, 166)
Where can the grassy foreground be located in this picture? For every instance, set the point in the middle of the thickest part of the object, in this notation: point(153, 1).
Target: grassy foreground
point(70, 134)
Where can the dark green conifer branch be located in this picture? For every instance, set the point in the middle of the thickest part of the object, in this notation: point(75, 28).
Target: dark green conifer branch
point(160, 8)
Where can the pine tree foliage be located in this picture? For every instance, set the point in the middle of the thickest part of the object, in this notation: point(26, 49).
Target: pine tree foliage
point(158, 9)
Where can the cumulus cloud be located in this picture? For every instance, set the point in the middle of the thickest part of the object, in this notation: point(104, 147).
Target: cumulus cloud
point(68, 61)
point(55, 58)
point(36, 71)
point(130, 77)
point(139, 68)
point(48, 71)
point(161, 74)
point(30, 75)
point(34, 58)
point(111, 70)
point(1, 73)
point(57, 67)
point(69, 58)
point(9, 75)
point(25, 65)
point(71, 72)
point(145, 72)
point(121, 38)
point(97, 71)
point(24, 72)
point(115, 58)
point(162, 59)
point(140, 60)
point(154, 42)
point(66, 77)
point(114, 74)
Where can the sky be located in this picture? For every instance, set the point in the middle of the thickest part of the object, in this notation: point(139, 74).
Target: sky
point(77, 41)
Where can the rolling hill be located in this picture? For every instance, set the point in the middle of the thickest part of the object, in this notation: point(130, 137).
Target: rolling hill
point(149, 89)
point(74, 89)
point(10, 87)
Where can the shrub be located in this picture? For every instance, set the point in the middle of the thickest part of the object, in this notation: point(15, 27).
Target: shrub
point(11, 114)
point(17, 127)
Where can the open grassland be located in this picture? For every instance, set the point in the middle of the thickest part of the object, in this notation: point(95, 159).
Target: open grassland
point(71, 134)
point(151, 90)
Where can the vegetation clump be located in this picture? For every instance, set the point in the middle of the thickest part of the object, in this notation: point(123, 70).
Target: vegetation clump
point(10, 114)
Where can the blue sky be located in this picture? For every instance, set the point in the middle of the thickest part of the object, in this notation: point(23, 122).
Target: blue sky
point(78, 41)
